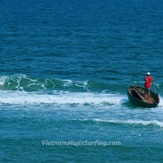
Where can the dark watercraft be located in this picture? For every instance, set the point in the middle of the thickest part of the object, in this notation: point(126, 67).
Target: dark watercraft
point(138, 96)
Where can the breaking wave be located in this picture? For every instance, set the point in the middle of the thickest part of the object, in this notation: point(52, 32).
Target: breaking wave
point(61, 98)
point(22, 89)
point(25, 83)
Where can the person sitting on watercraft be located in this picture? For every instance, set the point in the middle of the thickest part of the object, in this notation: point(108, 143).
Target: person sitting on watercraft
point(147, 83)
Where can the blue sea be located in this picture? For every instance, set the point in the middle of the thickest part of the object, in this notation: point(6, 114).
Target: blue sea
point(65, 66)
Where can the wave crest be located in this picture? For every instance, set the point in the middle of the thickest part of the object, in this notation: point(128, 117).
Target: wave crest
point(132, 122)
point(25, 83)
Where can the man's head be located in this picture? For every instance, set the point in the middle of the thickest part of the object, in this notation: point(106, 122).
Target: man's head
point(148, 73)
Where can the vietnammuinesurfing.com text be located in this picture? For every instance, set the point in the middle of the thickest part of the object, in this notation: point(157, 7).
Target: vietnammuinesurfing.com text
point(80, 143)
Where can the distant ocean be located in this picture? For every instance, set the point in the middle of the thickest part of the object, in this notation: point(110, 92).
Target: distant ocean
point(64, 71)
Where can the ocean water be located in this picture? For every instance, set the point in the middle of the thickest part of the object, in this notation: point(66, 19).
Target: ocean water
point(65, 69)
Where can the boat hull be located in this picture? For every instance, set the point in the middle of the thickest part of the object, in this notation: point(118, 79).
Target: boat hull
point(134, 97)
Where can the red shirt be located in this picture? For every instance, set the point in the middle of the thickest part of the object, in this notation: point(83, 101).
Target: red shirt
point(147, 82)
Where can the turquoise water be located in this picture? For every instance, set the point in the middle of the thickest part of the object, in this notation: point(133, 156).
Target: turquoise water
point(65, 69)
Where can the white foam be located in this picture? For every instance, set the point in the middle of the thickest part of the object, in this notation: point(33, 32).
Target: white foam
point(133, 122)
point(161, 102)
point(3, 79)
point(21, 97)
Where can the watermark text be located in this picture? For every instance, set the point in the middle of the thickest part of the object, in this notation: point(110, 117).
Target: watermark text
point(80, 143)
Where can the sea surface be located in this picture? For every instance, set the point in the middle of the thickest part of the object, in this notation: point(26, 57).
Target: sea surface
point(65, 66)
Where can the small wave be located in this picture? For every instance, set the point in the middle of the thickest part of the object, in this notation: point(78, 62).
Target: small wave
point(25, 83)
point(61, 98)
point(132, 122)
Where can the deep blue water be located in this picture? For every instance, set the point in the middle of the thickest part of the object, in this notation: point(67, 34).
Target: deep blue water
point(65, 69)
